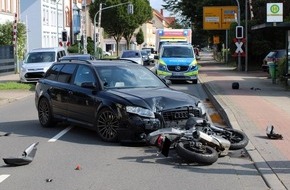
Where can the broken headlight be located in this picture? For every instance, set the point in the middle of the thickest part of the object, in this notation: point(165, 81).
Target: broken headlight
point(140, 111)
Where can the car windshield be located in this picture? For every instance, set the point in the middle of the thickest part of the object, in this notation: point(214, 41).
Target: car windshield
point(177, 51)
point(128, 77)
point(130, 54)
point(40, 57)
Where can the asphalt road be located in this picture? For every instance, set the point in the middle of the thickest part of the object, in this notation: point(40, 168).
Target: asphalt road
point(107, 166)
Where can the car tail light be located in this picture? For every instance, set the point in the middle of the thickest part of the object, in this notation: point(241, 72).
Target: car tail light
point(160, 141)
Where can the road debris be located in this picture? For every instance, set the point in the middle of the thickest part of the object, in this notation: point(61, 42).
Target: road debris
point(6, 134)
point(27, 156)
point(271, 134)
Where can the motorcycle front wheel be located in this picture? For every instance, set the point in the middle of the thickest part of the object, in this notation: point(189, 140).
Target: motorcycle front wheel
point(237, 138)
point(201, 154)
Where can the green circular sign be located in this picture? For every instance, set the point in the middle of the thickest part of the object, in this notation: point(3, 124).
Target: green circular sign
point(274, 9)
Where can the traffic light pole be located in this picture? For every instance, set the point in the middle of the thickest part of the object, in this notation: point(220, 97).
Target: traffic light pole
point(239, 24)
point(99, 23)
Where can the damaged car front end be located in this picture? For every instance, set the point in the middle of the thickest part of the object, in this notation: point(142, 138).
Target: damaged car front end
point(137, 122)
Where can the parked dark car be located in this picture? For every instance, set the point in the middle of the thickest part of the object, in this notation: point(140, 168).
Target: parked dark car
point(121, 100)
point(145, 57)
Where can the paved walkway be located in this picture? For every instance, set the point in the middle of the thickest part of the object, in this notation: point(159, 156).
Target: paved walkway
point(7, 96)
point(255, 105)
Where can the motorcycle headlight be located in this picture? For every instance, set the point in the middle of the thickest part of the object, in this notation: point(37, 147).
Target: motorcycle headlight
point(140, 111)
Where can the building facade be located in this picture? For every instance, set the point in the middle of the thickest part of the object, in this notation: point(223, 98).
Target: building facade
point(47, 19)
point(9, 9)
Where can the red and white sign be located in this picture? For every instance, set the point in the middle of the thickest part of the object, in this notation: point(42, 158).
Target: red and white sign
point(239, 43)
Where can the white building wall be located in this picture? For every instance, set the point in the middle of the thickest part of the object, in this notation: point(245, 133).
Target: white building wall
point(42, 18)
point(8, 8)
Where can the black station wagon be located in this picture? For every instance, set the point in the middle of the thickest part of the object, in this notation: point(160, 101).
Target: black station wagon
point(121, 100)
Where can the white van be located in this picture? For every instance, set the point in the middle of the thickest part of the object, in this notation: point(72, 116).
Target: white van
point(37, 61)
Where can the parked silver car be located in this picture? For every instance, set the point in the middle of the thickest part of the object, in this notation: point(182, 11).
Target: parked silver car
point(134, 55)
point(37, 61)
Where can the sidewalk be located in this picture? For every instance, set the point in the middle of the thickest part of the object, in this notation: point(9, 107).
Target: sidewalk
point(255, 105)
point(7, 96)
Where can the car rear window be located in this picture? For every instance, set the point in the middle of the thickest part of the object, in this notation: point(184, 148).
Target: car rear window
point(130, 54)
point(281, 53)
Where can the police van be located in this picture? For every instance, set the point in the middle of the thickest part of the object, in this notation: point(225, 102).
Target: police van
point(177, 62)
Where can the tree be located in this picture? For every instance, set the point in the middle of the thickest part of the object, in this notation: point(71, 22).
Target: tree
point(6, 37)
point(140, 37)
point(142, 14)
point(116, 21)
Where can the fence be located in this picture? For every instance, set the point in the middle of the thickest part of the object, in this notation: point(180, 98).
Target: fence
point(6, 59)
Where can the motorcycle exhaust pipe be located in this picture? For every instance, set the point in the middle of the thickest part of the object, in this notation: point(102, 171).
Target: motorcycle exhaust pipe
point(205, 138)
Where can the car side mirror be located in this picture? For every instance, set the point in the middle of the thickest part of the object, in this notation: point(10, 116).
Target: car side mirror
point(168, 82)
point(89, 85)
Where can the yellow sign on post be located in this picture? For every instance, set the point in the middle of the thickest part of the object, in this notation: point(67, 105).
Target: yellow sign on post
point(219, 17)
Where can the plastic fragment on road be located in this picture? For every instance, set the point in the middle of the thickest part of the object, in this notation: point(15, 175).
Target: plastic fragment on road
point(78, 167)
point(6, 134)
point(26, 158)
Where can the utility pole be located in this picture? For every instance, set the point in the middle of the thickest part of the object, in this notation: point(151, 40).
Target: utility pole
point(99, 29)
point(246, 35)
point(84, 27)
point(130, 10)
point(239, 23)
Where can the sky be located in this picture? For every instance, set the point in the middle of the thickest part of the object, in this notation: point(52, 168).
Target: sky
point(156, 4)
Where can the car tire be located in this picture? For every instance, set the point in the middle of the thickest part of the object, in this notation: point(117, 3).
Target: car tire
point(107, 124)
point(45, 115)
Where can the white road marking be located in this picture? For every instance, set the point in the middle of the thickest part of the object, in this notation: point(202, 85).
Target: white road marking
point(3, 177)
point(53, 139)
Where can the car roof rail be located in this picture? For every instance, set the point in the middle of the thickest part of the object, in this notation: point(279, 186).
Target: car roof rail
point(74, 59)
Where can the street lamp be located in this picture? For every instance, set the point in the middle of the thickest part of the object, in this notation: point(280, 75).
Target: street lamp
point(130, 11)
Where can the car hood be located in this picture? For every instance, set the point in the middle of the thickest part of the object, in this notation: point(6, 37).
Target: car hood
point(155, 99)
point(37, 66)
point(178, 61)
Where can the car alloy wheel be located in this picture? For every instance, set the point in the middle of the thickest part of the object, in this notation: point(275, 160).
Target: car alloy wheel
point(44, 113)
point(107, 125)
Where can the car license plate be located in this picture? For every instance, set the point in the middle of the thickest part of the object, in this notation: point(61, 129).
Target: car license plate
point(177, 74)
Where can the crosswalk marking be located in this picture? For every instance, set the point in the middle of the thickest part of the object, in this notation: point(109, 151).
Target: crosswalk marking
point(53, 139)
point(3, 177)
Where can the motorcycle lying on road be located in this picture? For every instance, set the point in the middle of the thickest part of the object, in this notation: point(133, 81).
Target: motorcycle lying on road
point(237, 138)
point(191, 145)
point(200, 141)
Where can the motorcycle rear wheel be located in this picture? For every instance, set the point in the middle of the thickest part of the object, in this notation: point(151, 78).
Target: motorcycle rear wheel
point(203, 154)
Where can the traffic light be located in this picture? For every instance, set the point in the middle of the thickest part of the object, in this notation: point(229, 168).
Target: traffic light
point(239, 32)
point(130, 8)
point(64, 36)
